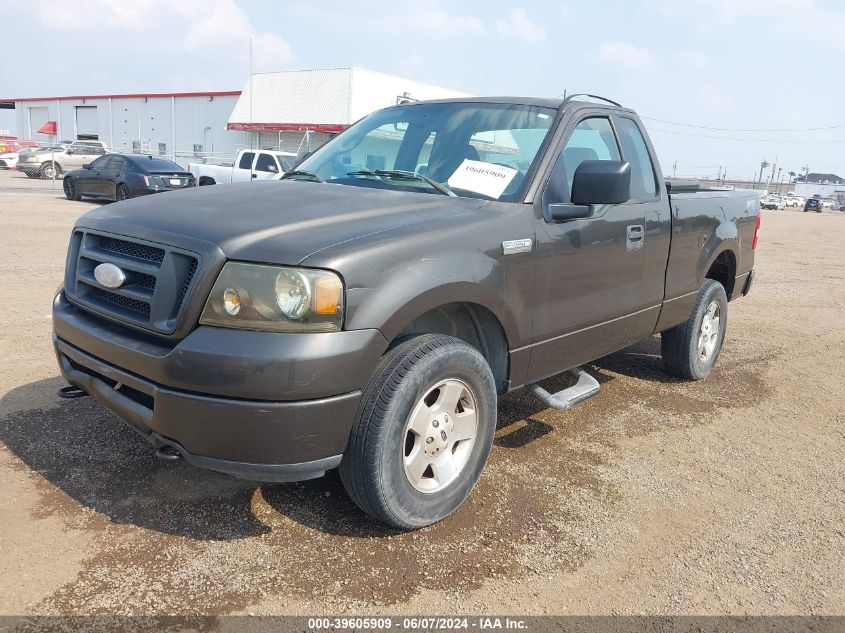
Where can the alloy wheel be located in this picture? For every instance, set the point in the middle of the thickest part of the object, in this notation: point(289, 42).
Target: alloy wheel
point(439, 435)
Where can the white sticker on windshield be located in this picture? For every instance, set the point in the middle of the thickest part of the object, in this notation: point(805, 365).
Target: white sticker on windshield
point(487, 179)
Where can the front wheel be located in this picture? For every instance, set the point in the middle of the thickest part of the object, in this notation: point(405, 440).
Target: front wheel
point(690, 349)
point(423, 432)
point(71, 190)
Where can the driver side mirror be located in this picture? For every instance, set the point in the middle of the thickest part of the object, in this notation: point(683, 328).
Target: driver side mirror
point(69, 151)
point(601, 182)
point(86, 166)
point(594, 182)
point(273, 169)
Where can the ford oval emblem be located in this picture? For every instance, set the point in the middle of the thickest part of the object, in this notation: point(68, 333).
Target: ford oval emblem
point(109, 275)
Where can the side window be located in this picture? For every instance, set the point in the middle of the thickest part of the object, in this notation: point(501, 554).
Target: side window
point(643, 181)
point(101, 163)
point(592, 139)
point(118, 163)
point(266, 162)
point(246, 160)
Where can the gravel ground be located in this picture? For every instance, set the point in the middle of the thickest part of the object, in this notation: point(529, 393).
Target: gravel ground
point(657, 496)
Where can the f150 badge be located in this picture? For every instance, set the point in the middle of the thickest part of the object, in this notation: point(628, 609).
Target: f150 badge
point(510, 247)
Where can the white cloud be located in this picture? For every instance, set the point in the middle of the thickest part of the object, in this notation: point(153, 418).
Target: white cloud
point(424, 18)
point(67, 16)
point(200, 27)
point(440, 21)
point(625, 55)
point(517, 24)
point(222, 24)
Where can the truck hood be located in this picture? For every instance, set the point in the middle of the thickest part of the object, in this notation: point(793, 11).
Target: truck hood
point(280, 222)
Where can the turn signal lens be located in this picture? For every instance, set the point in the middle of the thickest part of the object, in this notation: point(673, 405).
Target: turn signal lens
point(328, 294)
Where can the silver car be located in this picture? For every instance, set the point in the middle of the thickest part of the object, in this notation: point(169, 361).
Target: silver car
point(50, 162)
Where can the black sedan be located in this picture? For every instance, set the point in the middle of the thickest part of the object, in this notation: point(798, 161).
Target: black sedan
point(120, 177)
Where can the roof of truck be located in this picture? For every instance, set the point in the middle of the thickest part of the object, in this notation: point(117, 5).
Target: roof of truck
point(541, 102)
point(530, 101)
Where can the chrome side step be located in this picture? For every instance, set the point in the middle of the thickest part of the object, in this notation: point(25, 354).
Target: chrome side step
point(585, 388)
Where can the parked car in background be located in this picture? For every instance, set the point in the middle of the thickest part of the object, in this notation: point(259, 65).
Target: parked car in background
point(772, 202)
point(53, 161)
point(120, 177)
point(827, 204)
point(793, 201)
point(8, 160)
point(813, 204)
point(248, 165)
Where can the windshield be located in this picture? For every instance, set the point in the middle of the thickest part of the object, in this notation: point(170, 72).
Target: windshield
point(475, 150)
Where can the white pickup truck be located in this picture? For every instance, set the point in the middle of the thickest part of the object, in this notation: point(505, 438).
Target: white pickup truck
point(248, 165)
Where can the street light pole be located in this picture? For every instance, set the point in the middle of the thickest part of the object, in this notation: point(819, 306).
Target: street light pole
point(763, 165)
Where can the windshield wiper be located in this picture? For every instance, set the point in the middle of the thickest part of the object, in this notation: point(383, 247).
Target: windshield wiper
point(407, 175)
point(302, 172)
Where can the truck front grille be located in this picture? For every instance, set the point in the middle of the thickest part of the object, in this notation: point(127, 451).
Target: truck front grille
point(158, 279)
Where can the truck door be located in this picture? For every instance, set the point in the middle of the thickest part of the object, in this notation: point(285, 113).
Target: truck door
point(266, 167)
point(242, 171)
point(600, 278)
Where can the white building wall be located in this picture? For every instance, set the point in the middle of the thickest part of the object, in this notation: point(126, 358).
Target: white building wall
point(371, 91)
point(170, 126)
point(810, 189)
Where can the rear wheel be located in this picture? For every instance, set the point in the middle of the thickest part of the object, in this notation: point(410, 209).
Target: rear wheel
point(423, 432)
point(71, 190)
point(122, 193)
point(690, 350)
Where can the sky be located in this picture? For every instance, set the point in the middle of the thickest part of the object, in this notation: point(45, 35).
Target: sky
point(747, 80)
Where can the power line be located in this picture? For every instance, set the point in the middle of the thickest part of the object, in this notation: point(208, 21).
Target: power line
point(747, 140)
point(728, 129)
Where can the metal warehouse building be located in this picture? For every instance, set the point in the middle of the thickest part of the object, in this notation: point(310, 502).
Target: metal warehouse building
point(280, 107)
point(277, 110)
point(180, 125)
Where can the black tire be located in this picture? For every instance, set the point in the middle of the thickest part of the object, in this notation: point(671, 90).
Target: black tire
point(373, 470)
point(45, 169)
point(71, 190)
point(679, 345)
point(122, 192)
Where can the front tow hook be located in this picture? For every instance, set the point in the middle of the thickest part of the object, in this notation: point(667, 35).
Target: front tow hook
point(168, 454)
point(71, 391)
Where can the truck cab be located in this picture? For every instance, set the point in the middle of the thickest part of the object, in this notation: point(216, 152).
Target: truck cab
point(366, 312)
point(247, 165)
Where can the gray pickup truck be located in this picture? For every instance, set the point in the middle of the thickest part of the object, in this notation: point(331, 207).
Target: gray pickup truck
point(366, 312)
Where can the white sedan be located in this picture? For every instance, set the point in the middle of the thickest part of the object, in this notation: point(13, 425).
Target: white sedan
point(794, 201)
point(8, 160)
point(771, 202)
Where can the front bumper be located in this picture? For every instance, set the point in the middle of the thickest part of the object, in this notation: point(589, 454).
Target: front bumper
point(29, 168)
point(256, 405)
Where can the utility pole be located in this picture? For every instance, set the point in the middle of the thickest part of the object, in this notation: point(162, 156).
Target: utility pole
point(763, 165)
point(674, 168)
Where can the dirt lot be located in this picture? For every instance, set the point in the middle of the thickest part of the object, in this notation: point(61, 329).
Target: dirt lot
point(657, 496)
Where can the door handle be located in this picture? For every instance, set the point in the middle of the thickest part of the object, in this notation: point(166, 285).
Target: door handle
point(254, 175)
point(634, 237)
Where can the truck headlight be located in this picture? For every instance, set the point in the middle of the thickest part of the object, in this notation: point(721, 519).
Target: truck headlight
point(275, 298)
